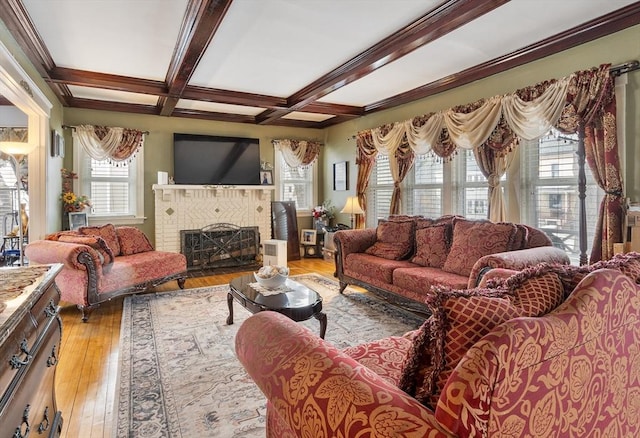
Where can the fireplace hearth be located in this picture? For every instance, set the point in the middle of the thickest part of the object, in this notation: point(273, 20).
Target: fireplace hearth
point(220, 245)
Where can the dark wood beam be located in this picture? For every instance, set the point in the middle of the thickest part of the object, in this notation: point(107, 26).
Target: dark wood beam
point(446, 18)
point(233, 97)
point(200, 24)
point(104, 105)
point(594, 29)
point(107, 81)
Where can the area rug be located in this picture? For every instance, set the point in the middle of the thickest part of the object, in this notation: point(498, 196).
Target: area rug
point(178, 373)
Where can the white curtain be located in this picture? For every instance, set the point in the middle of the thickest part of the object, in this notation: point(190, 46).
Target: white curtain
point(297, 153)
point(116, 144)
point(469, 130)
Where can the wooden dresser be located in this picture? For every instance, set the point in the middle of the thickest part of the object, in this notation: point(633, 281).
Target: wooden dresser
point(30, 335)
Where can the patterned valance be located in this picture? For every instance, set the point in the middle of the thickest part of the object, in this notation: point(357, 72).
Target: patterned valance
point(298, 153)
point(499, 121)
point(114, 144)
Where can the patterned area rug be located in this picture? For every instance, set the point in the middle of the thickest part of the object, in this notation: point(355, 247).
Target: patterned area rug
point(178, 374)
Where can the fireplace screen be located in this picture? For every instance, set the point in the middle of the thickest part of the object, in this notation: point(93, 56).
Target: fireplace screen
point(220, 245)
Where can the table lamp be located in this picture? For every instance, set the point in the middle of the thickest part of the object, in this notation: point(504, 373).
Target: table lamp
point(13, 149)
point(352, 207)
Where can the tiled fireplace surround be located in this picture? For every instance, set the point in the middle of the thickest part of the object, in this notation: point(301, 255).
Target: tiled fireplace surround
point(191, 207)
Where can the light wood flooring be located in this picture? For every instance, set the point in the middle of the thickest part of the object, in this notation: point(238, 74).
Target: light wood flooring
point(88, 367)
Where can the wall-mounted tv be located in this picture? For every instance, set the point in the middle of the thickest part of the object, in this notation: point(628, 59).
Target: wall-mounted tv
point(207, 159)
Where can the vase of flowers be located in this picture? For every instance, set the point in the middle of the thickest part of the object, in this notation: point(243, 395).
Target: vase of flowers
point(322, 215)
point(70, 201)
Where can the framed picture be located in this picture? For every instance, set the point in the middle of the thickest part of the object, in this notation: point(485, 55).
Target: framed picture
point(77, 220)
point(57, 144)
point(266, 177)
point(308, 237)
point(341, 176)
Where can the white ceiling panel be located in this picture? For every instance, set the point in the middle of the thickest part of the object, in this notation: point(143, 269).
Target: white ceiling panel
point(218, 107)
point(276, 47)
point(124, 37)
point(112, 95)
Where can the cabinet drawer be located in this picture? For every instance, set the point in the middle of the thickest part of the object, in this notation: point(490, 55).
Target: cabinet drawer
point(33, 404)
point(15, 351)
point(45, 308)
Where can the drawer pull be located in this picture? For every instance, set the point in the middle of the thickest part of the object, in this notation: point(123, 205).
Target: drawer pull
point(15, 361)
point(45, 423)
point(24, 426)
point(53, 357)
point(51, 310)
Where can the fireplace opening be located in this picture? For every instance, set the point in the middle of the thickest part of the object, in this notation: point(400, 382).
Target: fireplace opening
point(220, 245)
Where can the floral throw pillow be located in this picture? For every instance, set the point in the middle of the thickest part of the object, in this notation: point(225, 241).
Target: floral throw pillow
point(432, 246)
point(132, 241)
point(394, 240)
point(475, 239)
point(107, 232)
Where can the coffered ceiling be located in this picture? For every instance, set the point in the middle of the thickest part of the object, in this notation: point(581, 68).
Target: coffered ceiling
point(307, 63)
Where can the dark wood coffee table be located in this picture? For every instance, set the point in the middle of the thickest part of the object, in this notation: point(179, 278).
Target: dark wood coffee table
point(299, 303)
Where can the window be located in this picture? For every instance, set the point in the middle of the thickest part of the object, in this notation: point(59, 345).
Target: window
point(296, 184)
point(427, 181)
point(473, 193)
point(116, 191)
point(380, 191)
point(550, 184)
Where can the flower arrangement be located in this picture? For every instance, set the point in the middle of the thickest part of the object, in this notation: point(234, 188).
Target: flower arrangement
point(323, 212)
point(71, 201)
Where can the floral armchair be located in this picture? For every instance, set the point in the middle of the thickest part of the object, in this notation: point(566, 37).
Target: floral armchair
point(568, 372)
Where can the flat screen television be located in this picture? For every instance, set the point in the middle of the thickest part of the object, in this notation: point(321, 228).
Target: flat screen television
point(207, 159)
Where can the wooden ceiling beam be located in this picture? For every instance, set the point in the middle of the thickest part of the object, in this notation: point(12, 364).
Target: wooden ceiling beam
point(594, 29)
point(449, 16)
point(200, 24)
point(107, 81)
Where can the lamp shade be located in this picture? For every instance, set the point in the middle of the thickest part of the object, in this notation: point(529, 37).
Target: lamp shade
point(16, 147)
point(352, 206)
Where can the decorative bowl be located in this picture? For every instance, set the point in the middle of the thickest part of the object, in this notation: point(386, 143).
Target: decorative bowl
point(272, 276)
point(271, 282)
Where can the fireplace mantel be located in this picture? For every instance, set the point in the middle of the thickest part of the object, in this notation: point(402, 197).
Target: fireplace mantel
point(187, 207)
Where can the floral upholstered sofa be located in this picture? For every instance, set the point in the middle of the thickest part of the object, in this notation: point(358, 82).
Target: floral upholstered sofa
point(553, 351)
point(104, 262)
point(405, 256)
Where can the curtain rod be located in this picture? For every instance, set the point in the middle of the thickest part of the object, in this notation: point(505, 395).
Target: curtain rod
point(618, 70)
point(74, 128)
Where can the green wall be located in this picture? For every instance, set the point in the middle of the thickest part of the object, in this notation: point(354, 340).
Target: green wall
point(158, 145)
point(615, 49)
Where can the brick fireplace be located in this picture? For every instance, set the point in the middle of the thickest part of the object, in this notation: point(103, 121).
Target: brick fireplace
point(189, 207)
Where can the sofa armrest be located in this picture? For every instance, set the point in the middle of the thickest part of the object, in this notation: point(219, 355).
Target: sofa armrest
point(71, 255)
point(351, 241)
point(516, 260)
point(317, 390)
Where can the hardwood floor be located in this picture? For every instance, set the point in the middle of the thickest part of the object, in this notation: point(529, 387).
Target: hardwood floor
point(86, 378)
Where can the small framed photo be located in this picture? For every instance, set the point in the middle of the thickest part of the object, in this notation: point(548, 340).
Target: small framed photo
point(341, 176)
point(57, 144)
point(308, 237)
point(77, 220)
point(266, 177)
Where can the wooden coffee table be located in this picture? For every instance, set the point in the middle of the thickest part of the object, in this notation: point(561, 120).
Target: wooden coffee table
point(299, 303)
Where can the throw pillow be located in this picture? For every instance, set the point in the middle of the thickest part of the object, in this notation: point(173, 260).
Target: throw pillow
point(462, 317)
point(475, 239)
point(432, 246)
point(107, 232)
point(132, 241)
point(95, 242)
point(394, 240)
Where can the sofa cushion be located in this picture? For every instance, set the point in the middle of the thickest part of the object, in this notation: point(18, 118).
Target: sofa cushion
point(370, 266)
point(394, 239)
point(432, 246)
point(461, 317)
point(422, 278)
point(95, 242)
point(475, 239)
point(107, 232)
point(132, 241)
